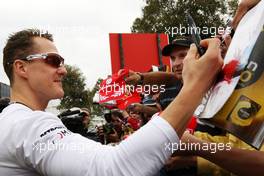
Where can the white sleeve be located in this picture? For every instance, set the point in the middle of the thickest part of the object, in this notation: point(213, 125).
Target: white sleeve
point(53, 150)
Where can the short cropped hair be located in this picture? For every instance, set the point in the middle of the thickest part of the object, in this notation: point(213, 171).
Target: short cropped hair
point(19, 45)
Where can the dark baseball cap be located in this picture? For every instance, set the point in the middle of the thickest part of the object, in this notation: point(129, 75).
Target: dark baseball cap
point(185, 42)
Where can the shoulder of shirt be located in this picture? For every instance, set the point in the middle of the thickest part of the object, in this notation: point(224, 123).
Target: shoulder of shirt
point(20, 112)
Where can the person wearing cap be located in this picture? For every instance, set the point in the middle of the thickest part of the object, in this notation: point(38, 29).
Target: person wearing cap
point(177, 51)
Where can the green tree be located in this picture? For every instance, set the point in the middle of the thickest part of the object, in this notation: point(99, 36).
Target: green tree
point(232, 4)
point(162, 16)
point(95, 108)
point(75, 94)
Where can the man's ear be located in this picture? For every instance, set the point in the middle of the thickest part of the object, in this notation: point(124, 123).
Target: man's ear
point(20, 68)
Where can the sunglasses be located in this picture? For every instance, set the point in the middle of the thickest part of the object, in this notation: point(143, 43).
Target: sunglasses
point(52, 59)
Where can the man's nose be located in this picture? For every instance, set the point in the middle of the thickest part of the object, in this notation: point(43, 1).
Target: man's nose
point(62, 70)
point(177, 62)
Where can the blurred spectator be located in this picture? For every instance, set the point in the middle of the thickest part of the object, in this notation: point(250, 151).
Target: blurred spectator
point(115, 130)
point(86, 117)
point(135, 116)
point(77, 120)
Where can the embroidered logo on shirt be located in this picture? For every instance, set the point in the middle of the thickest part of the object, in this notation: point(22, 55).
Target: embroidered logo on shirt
point(51, 129)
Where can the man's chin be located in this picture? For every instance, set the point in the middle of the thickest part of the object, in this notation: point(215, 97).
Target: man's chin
point(59, 95)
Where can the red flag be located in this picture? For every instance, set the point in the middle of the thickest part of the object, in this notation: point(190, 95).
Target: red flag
point(114, 91)
point(113, 88)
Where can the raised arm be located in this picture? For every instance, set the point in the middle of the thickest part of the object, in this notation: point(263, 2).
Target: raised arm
point(198, 75)
point(151, 78)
